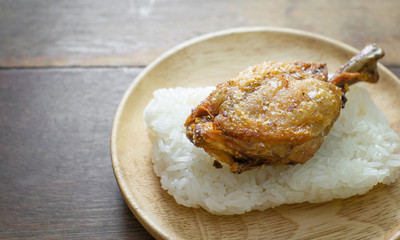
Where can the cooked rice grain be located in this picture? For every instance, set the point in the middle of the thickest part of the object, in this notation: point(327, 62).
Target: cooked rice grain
point(358, 153)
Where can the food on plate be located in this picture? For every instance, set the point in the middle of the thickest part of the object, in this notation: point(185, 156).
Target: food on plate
point(275, 113)
point(359, 152)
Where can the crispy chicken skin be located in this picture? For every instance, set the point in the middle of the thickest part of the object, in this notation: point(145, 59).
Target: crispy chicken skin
point(270, 114)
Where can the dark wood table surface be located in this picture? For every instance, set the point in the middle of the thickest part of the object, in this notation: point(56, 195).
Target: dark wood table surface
point(64, 66)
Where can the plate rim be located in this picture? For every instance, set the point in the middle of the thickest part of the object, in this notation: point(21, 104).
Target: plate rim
point(155, 231)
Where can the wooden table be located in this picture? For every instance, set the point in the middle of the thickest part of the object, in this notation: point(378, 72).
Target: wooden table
point(64, 65)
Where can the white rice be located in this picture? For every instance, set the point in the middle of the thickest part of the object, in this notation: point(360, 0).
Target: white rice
point(358, 153)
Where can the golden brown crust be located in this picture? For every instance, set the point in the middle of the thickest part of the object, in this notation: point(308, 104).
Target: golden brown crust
point(266, 115)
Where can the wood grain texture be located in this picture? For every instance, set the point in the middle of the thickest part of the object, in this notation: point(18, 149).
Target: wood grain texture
point(208, 61)
point(56, 178)
point(133, 32)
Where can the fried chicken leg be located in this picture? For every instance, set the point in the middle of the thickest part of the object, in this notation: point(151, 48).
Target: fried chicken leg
point(275, 113)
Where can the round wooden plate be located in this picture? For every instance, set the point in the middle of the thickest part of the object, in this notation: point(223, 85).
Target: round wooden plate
point(211, 59)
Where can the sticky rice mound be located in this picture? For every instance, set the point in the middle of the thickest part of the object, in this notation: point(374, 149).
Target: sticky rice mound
point(360, 151)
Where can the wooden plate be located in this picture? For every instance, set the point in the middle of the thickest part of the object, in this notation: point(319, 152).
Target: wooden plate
point(208, 60)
